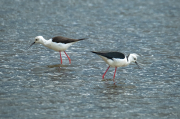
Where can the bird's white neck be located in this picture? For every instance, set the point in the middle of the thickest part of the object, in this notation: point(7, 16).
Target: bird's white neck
point(43, 41)
point(129, 58)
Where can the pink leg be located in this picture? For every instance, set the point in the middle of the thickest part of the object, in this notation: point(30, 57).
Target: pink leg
point(105, 72)
point(60, 57)
point(114, 74)
point(68, 58)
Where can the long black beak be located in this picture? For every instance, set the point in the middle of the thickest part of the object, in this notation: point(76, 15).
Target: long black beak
point(31, 44)
point(137, 65)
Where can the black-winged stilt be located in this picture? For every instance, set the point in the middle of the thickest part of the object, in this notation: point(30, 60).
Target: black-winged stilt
point(117, 59)
point(58, 44)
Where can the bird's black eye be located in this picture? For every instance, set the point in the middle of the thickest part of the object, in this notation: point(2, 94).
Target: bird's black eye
point(134, 58)
point(36, 39)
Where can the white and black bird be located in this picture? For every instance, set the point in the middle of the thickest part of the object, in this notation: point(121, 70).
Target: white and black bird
point(58, 43)
point(117, 59)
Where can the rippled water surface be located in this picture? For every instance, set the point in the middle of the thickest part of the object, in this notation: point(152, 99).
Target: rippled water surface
point(33, 86)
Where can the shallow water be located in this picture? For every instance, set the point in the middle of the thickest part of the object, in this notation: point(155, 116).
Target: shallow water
point(33, 86)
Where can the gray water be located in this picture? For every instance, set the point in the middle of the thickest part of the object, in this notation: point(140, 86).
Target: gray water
point(33, 86)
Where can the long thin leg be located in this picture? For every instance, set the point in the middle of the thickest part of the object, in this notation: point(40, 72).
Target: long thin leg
point(105, 72)
point(114, 74)
point(68, 58)
point(60, 56)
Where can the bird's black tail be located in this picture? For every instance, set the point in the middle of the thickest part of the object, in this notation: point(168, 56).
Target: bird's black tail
point(82, 39)
point(93, 52)
point(98, 53)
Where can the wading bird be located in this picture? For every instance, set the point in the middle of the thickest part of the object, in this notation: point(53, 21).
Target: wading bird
point(58, 43)
point(117, 59)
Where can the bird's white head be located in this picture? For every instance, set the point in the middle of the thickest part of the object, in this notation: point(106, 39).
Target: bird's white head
point(38, 39)
point(133, 58)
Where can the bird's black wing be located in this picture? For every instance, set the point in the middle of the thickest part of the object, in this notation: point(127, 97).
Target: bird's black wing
point(60, 39)
point(111, 55)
